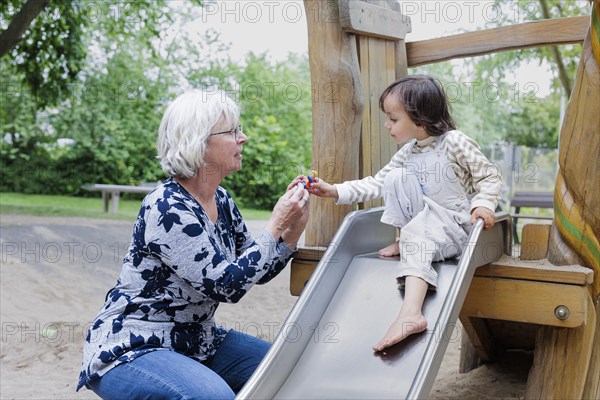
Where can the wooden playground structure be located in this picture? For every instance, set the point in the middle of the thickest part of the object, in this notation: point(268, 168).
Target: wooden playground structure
point(548, 299)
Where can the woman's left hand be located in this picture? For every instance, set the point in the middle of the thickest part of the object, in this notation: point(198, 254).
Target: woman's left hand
point(292, 234)
point(488, 216)
point(295, 182)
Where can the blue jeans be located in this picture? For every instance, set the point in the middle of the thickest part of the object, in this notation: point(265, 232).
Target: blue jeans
point(170, 375)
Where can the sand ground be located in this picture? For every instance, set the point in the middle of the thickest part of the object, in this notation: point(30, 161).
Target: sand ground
point(54, 274)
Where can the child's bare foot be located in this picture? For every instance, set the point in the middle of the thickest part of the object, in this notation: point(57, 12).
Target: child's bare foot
point(391, 250)
point(400, 329)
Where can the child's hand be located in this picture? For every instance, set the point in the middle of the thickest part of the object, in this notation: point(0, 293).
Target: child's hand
point(321, 188)
point(489, 217)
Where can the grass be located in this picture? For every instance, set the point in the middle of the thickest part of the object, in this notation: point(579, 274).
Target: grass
point(70, 206)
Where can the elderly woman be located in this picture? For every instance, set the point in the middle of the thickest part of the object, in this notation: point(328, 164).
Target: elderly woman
point(156, 337)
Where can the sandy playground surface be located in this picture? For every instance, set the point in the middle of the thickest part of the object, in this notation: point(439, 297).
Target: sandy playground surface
point(54, 274)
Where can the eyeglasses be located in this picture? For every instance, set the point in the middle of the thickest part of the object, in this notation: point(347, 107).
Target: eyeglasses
point(235, 132)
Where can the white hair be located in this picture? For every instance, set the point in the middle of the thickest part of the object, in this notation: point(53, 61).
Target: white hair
point(186, 127)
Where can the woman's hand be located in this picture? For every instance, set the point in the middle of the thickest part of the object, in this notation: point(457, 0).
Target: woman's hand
point(290, 210)
point(321, 188)
point(488, 216)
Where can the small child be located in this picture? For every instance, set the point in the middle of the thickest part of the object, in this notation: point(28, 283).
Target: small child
point(434, 188)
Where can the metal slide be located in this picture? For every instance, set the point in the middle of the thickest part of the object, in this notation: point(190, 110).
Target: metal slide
point(323, 350)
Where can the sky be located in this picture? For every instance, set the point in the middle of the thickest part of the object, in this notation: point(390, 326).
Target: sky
point(279, 27)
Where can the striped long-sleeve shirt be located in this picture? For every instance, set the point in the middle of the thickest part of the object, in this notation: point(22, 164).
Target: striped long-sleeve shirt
point(480, 178)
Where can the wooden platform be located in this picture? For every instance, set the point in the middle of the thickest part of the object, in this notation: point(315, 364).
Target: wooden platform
point(530, 304)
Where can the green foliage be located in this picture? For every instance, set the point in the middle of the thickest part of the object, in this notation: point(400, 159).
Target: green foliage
point(51, 52)
point(515, 112)
point(490, 105)
point(495, 66)
point(276, 115)
point(111, 118)
point(490, 111)
point(532, 124)
point(55, 48)
point(110, 114)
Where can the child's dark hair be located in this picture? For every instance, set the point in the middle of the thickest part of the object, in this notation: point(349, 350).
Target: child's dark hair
point(424, 100)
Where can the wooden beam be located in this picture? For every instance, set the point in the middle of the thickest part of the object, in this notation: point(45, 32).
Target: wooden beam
point(480, 338)
point(525, 301)
point(540, 271)
point(366, 19)
point(519, 36)
point(301, 272)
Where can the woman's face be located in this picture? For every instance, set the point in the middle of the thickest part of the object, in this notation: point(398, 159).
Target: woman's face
point(224, 152)
point(397, 121)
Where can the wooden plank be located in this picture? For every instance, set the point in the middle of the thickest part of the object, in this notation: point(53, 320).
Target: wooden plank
point(376, 77)
point(534, 242)
point(366, 19)
point(539, 271)
point(365, 133)
point(480, 338)
point(469, 358)
point(401, 60)
point(592, 383)
point(518, 36)
point(300, 272)
point(310, 253)
point(378, 70)
point(100, 187)
point(526, 301)
point(389, 146)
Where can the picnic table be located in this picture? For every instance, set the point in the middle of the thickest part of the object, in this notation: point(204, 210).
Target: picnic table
point(530, 199)
point(112, 193)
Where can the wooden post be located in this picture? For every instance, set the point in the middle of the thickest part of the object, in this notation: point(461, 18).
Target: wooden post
point(576, 355)
point(338, 102)
point(353, 55)
point(562, 360)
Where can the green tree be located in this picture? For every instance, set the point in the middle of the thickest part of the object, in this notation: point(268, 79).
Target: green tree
point(562, 60)
point(47, 42)
point(488, 106)
point(110, 112)
point(276, 116)
point(113, 120)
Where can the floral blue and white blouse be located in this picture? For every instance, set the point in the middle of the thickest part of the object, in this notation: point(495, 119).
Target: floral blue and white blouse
point(178, 269)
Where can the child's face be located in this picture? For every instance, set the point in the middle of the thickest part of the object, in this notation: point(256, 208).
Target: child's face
point(401, 127)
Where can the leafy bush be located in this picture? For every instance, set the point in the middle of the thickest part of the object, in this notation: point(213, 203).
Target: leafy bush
point(276, 116)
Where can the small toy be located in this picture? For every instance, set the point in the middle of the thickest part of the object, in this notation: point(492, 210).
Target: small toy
point(310, 178)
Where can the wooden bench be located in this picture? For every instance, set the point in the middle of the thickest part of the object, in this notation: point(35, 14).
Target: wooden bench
point(112, 193)
point(530, 199)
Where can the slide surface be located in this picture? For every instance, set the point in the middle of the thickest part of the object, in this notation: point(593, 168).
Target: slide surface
point(323, 350)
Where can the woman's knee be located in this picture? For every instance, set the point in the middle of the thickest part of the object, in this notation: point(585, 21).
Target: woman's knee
point(237, 358)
